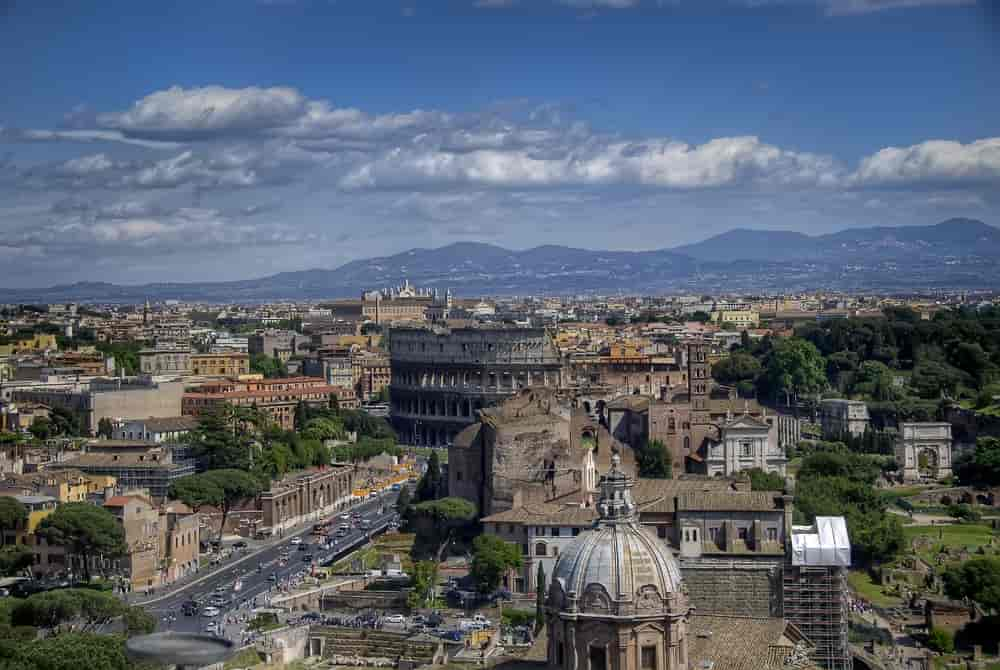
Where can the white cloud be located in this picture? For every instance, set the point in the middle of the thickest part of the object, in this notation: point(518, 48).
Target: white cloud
point(657, 162)
point(188, 168)
point(599, 4)
point(85, 136)
point(934, 161)
point(842, 7)
point(178, 113)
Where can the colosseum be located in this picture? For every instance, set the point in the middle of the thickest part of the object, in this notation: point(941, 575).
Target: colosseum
point(442, 376)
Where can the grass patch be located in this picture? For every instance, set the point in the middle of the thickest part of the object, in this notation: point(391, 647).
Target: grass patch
point(898, 492)
point(862, 584)
point(426, 452)
point(953, 536)
point(246, 658)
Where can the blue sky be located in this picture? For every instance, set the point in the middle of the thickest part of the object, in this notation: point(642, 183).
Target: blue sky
point(148, 141)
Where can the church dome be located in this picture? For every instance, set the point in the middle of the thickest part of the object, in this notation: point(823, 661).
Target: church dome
point(618, 568)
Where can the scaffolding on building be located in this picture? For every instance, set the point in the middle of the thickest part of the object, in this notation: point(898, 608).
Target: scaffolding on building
point(815, 594)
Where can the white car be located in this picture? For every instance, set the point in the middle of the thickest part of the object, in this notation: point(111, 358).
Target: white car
point(395, 618)
point(211, 611)
point(296, 540)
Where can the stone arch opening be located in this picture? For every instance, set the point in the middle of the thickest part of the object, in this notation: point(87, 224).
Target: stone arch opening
point(927, 462)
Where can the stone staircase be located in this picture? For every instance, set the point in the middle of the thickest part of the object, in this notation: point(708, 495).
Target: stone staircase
point(375, 647)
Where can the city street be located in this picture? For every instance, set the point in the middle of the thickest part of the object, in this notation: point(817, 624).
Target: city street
point(257, 584)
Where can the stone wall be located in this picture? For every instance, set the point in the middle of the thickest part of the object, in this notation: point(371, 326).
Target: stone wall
point(744, 588)
point(518, 453)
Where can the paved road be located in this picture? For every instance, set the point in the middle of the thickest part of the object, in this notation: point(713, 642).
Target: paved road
point(257, 584)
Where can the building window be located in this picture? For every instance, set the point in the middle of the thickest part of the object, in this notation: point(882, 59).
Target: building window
point(772, 534)
point(661, 532)
point(555, 531)
point(713, 533)
point(560, 654)
point(746, 448)
point(576, 531)
point(741, 533)
point(458, 475)
point(647, 658)
point(539, 549)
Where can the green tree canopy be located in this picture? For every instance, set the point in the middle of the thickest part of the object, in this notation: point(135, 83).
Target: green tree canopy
point(423, 580)
point(429, 487)
point(765, 481)
point(235, 485)
point(77, 609)
point(976, 579)
point(737, 367)
point(15, 558)
point(491, 559)
point(794, 368)
point(85, 530)
point(654, 461)
point(12, 514)
point(982, 466)
point(196, 491)
point(105, 428)
point(68, 651)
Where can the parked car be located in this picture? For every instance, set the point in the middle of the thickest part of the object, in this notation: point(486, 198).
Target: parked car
point(239, 544)
point(395, 618)
point(307, 558)
point(189, 607)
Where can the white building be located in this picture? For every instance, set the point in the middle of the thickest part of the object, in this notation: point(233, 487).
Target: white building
point(843, 417)
point(746, 443)
point(923, 450)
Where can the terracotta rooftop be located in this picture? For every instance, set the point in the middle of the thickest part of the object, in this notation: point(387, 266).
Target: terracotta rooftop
point(730, 501)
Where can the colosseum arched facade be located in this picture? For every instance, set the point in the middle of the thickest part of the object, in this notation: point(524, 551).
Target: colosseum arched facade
point(441, 376)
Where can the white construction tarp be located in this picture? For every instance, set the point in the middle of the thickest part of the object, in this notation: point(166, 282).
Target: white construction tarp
point(825, 543)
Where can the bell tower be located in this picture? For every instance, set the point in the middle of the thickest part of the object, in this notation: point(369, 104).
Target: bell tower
point(699, 382)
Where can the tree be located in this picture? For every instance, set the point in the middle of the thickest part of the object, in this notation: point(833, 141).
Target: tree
point(267, 366)
point(403, 502)
point(435, 522)
point(701, 316)
point(65, 422)
point(13, 513)
point(236, 486)
point(941, 641)
point(982, 467)
point(737, 367)
point(491, 559)
point(138, 621)
point(221, 439)
point(977, 579)
point(540, 596)
point(765, 481)
point(85, 530)
point(196, 491)
point(67, 651)
point(654, 461)
point(41, 428)
point(105, 428)
point(794, 367)
point(301, 416)
point(74, 609)
point(14, 559)
point(423, 581)
point(429, 486)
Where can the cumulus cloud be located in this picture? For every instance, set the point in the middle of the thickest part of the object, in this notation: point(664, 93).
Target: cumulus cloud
point(657, 163)
point(127, 226)
point(183, 114)
point(934, 161)
point(85, 136)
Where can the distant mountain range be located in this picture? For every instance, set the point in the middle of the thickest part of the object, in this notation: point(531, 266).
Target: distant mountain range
point(954, 254)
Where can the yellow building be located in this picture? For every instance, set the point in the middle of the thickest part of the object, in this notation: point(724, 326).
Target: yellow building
point(39, 507)
point(38, 342)
point(64, 486)
point(743, 318)
point(231, 364)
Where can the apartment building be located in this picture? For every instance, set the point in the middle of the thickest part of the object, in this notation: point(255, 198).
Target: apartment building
point(276, 397)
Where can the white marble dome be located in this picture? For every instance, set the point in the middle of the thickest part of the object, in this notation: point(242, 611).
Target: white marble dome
point(618, 568)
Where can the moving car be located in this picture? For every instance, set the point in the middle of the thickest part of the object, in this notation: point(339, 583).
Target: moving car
point(307, 558)
point(211, 612)
point(395, 618)
point(296, 540)
point(189, 607)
